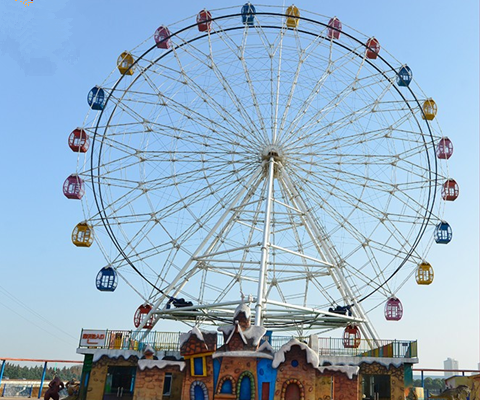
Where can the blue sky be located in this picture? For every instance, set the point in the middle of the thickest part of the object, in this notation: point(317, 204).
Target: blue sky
point(52, 54)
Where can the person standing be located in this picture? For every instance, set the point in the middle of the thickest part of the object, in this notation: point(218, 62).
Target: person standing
point(54, 387)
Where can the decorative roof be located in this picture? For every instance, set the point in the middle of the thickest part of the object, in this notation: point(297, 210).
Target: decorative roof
point(236, 329)
point(266, 347)
point(355, 361)
point(160, 364)
point(255, 334)
point(347, 370)
point(312, 357)
point(251, 335)
point(226, 329)
point(242, 353)
point(194, 332)
point(126, 354)
point(243, 307)
point(149, 349)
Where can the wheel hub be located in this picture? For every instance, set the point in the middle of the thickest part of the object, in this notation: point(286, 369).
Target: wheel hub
point(273, 151)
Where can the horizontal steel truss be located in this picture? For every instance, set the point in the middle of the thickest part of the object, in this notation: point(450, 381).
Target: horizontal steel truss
point(278, 315)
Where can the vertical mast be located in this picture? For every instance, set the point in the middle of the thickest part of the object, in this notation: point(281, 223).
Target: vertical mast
point(265, 245)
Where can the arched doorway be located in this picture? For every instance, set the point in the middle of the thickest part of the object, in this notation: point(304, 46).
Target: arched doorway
point(246, 386)
point(227, 386)
point(198, 391)
point(292, 392)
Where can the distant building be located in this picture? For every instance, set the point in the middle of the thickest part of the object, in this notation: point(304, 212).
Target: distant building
point(450, 363)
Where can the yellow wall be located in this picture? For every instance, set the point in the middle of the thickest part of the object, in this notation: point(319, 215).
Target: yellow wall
point(98, 375)
point(473, 382)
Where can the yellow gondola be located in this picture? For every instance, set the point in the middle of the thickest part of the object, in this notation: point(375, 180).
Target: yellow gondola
point(429, 109)
point(292, 21)
point(125, 63)
point(82, 235)
point(424, 275)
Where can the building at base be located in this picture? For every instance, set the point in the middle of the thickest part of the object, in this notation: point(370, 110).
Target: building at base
point(239, 362)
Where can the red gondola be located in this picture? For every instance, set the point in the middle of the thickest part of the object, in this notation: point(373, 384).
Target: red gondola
point(203, 21)
point(351, 337)
point(373, 48)
point(393, 309)
point(162, 37)
point(140, 316)
point(73, 187)
point(334, 28)
point(79, 141)
point(450, 190)
point(444, 148)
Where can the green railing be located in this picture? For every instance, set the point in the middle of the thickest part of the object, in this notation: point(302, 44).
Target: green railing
point(328, 347)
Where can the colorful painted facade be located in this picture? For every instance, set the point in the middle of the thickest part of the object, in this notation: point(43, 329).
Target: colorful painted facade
point(244, 367)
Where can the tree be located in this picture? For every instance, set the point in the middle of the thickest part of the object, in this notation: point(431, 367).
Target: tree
point(35, 372)
point(436, 384)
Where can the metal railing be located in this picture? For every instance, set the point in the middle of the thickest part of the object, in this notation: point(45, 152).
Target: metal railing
point(368, 348)
point(328, 347)
point(333, 347)
point(131, 340)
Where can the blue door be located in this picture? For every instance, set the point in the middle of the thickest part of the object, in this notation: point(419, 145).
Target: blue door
point(198, 393)
point(245, 388)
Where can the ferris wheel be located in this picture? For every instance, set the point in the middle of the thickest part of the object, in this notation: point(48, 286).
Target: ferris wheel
point(262, 155)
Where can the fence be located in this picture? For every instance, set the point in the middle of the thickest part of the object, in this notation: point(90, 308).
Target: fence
point(24, 389)
point(169, 341)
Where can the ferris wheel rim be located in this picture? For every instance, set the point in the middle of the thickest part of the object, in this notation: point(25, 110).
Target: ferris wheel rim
point(98, 186)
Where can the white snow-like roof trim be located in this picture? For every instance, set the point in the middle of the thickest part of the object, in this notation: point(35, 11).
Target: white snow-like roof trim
point(226, 329)
point(160, 364)
point(197, 332)
point(312, 357)
point(347, 370)
point(255, 333)
point(386, 363)
point(242, 307)
point(242, 353)
point(126, 354)
point(237, 329)
point(266, 346)
point(150, 349)
point(354, 361)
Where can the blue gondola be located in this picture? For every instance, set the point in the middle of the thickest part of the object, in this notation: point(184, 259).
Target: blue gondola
point(107, 279)
point(404, 76)
point(96, 98)
point(443, 233)
point(248, 14)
